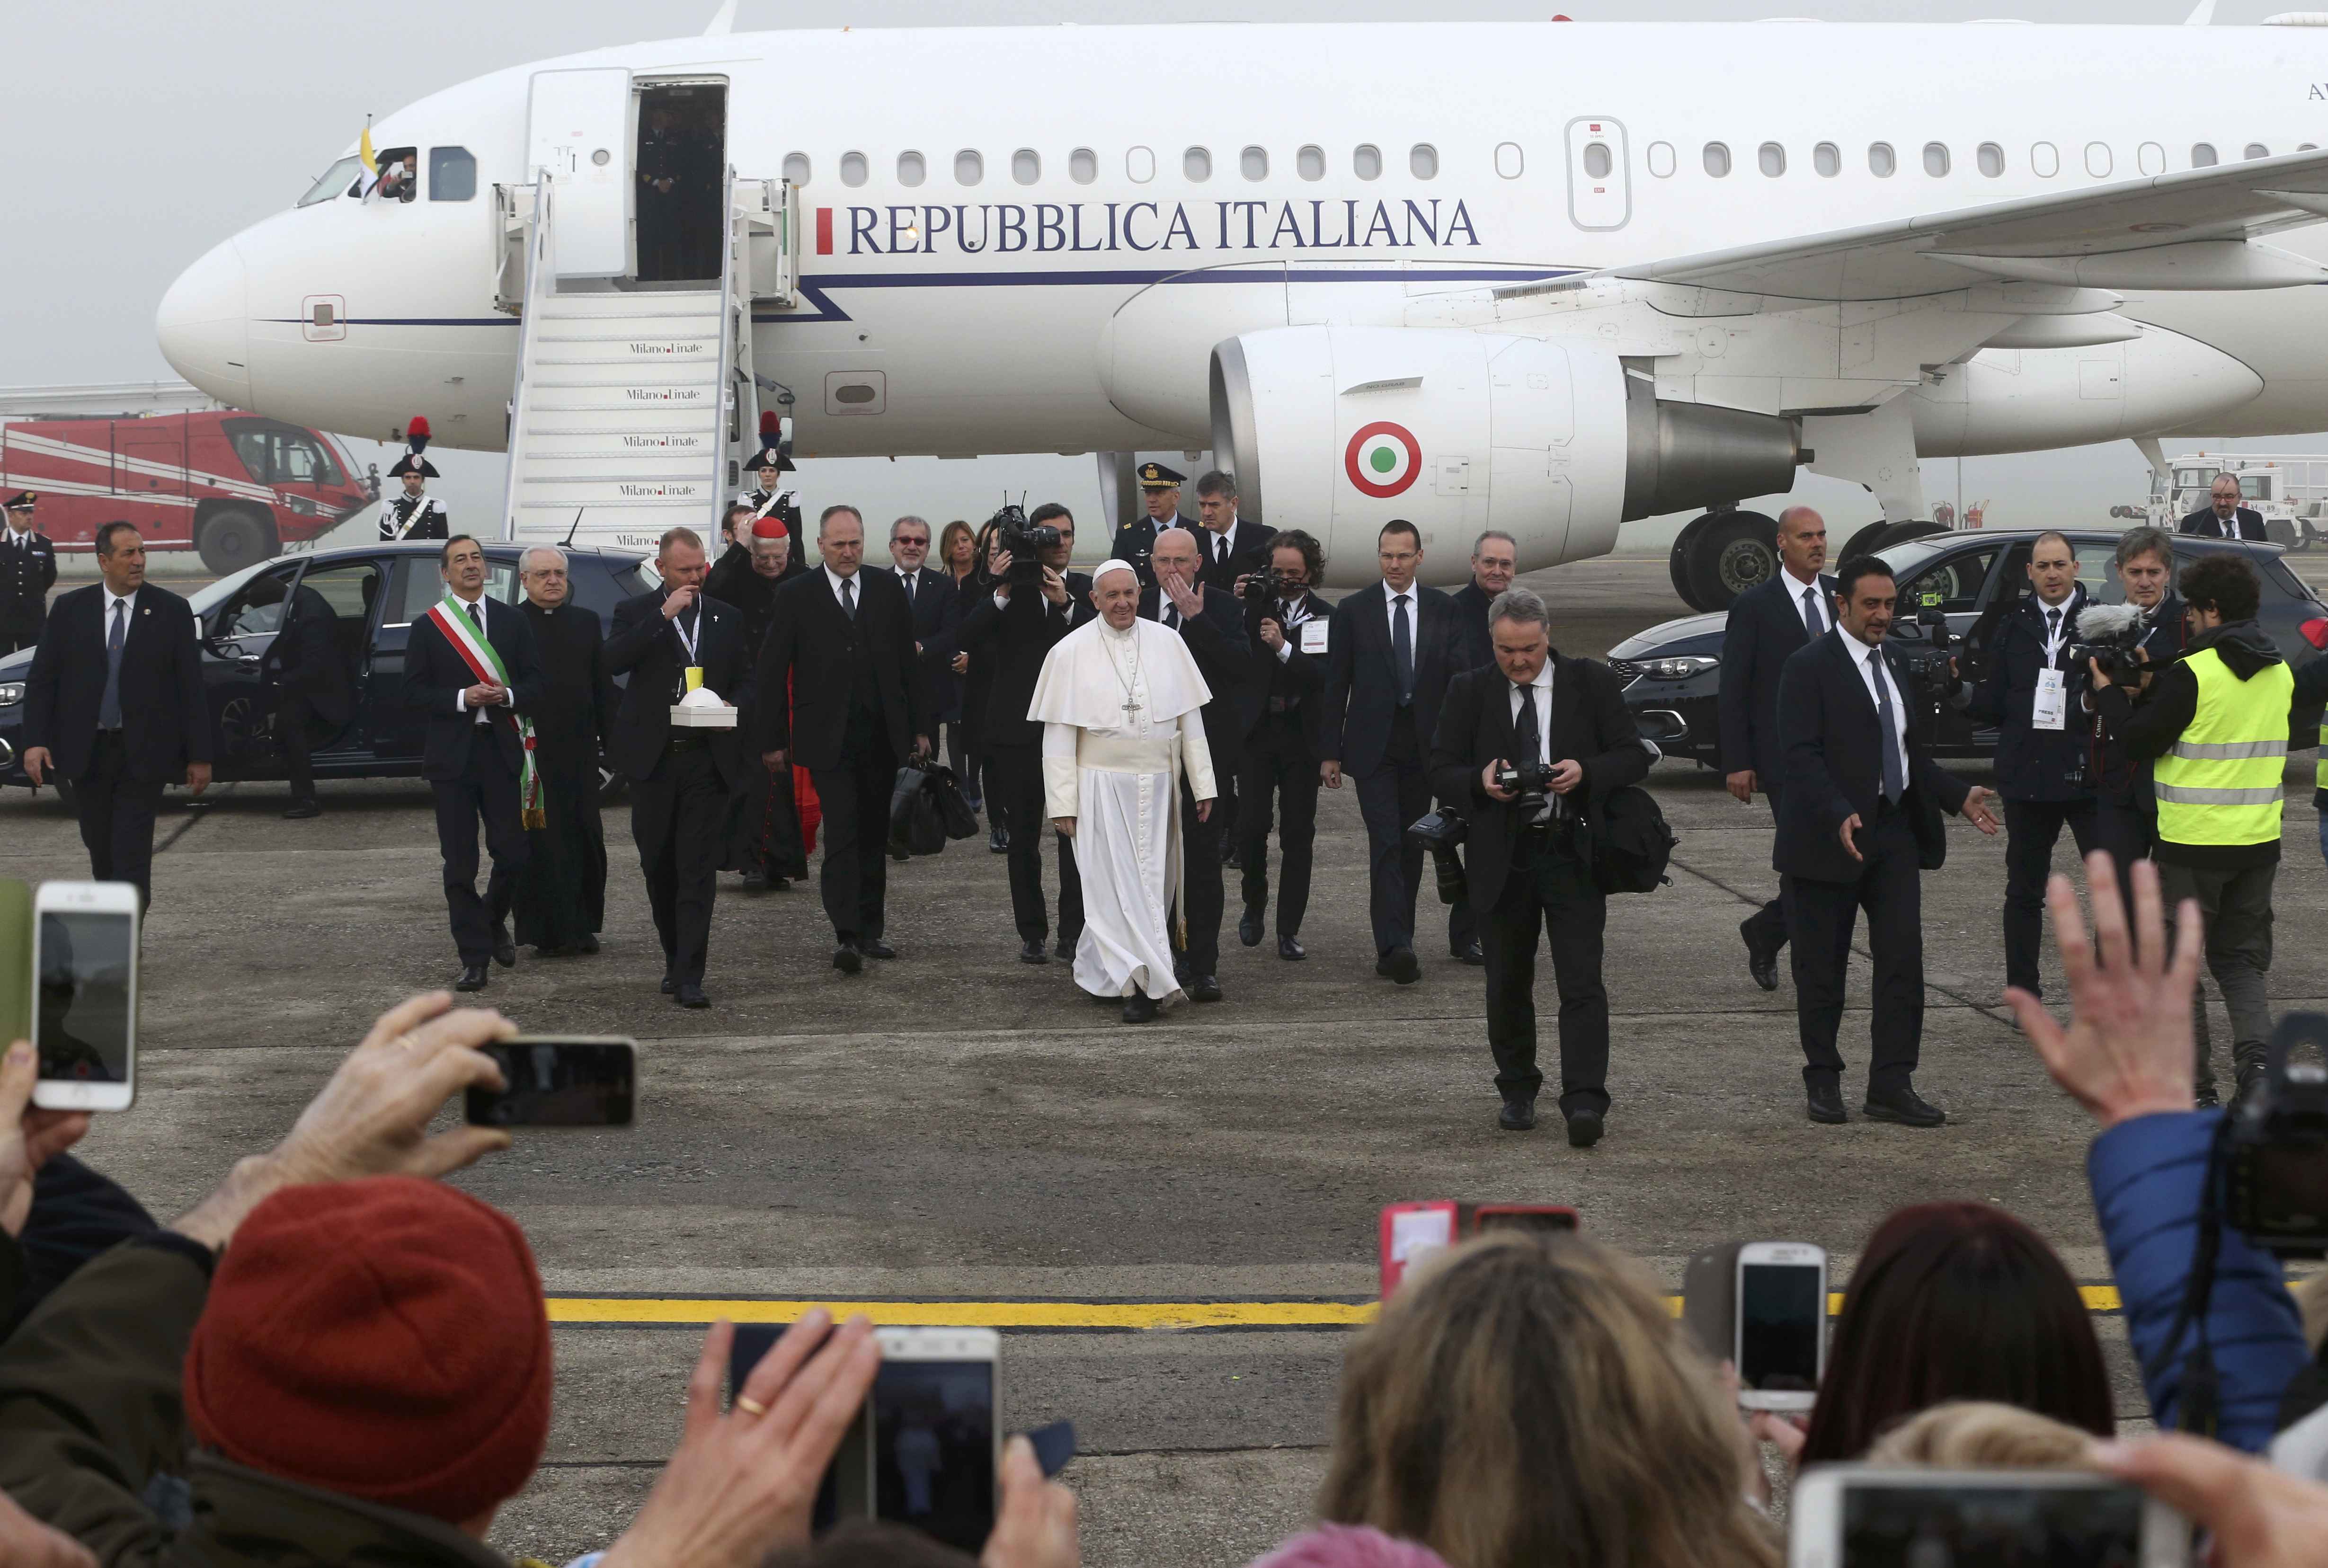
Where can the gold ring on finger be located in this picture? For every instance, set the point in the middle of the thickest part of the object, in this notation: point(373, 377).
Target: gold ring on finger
point(749, 1406)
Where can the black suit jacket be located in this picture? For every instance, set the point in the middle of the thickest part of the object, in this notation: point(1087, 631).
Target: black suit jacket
point(1135, 541)
point(1765, 628)
point(936, 610)
point(815, 648)
point(27, 573)
point(1297, 681)
point(1248, 552)
point(1014, 640)
point(305, 656)
point(647, 648)
point(166, 721)
point(1361, 691)
point(2032, 763)
point(434, 674)
point(1222, 650)
point(1471, 603)
point(2205, 523)
point(1833, 770)
point(1590, 725)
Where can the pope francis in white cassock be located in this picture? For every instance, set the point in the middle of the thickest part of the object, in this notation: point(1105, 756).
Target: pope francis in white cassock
point(1121, 707)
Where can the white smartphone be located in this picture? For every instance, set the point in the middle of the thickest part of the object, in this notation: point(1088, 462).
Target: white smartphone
point(934, 1445)
point(1780, 1340)
point(85, 980)
point(1877, 1516)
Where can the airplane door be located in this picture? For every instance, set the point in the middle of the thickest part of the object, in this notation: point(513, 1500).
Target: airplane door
point(1599, 175)
point(578, 132)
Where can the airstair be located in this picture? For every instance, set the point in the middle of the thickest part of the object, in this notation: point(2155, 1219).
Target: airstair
point(635, 405)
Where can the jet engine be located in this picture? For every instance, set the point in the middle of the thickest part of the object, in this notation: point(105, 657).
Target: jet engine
point(1338, 429)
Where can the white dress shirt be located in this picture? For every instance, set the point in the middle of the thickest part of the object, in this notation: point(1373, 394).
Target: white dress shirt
point(1540, 691)
point(1795, 589)
point(857, 593)
point(1391, 597)
point(1869, 674)
point(478, 625)
point(15, 539)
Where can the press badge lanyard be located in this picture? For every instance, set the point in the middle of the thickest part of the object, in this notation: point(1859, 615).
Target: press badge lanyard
point(694, 676)
point(2049, 707)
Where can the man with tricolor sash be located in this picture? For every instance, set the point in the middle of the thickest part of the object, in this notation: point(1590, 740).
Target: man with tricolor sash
point(2216, 721)
point(470, 668)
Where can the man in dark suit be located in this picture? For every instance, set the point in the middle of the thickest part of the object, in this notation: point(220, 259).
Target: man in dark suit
point(1011, 631)
point(474, 751)
point(1495, 562)
point(1212, 623)
point(28, 571)
point(1231, 548)
point(1859, 822)
point(682, 778)
point(1395, 646)
point(930, 594)
point(310, 672)
point(1160, 492)
point(114, 702)
point(1527, 868)
point(842, 639)
point(2126, 805)
point(2035, 694)
point(2224, 517)
point(1767, 623)
point(1285, 705)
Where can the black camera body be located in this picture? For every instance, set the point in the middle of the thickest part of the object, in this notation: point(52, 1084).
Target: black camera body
point(1267, 586)
point(2110, 634)
point(1524, 778)
point(1931, 666)
point(2276, 1177)
point(1024, 542)
point(1441, 833)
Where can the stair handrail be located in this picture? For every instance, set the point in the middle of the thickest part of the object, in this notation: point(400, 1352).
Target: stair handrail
point(540, 279)
point(729, 327)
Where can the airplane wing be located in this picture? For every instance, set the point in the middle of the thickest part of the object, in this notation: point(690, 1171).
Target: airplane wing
point(2193, 230)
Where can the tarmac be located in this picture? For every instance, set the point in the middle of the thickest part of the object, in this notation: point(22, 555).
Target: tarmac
point(1174, 1225)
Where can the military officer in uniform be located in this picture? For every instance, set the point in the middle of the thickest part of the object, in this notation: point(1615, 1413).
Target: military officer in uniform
point(1159, 487)
point(769, 466)
point(28, 571)
point(415, 513)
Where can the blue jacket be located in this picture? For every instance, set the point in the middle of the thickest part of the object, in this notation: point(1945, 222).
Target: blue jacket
point(2147, 1176)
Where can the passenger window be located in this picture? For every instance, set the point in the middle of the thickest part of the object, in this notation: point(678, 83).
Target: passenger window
point(912, 168)
point(1661, 160)
point(2203, 155)
point(1140, 165)
point(452, 174)
point(1025, 165)
point(1254, 162)
point(256, 610)
point(335, 181)
point(796, 170)
point(348, 588)
point(1991, 158)
point(2150, 158)
point(1422, 161)
point(1936, 159)
point(1826, 159)
point(1772, 157)
point(2044, 160)
point(853, 170)
point(969, 168)
point(2258, 150)
point(1197, 165)
point(2097, 160)
point(1082, 166)
point(1310, 163)
point(1598, 162)
point(419, 584)
point(1366, 162)
point(1717, 160)
point(1510, 161)
point(1951, 584)
point(1882, 161)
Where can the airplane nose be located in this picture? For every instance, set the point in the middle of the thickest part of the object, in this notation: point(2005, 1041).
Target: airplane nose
point(204, 325)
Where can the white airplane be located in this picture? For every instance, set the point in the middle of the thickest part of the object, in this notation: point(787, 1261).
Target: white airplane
point(1540, 277)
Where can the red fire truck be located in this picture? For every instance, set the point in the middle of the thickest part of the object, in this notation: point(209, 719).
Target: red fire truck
point(234, 487)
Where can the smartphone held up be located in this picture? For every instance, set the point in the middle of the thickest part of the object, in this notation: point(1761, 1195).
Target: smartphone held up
point(68, 983)
point(558, 1081)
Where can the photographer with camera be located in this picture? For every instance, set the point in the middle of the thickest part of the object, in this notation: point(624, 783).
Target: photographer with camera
point(1281, 738)
point(1858, 824)
point(2035, 694)
point(1036, 601)
point(2214, 726)
point(2125, 807)
point(1528, 745)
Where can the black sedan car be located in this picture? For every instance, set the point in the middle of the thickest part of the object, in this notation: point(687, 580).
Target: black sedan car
point(1672, 673)
point(376, 591)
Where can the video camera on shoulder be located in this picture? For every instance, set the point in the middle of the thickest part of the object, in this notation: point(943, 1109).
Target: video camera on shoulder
point(2276, 1179)
point(1025, 543)
point(1930, 666)
point(2109, 636)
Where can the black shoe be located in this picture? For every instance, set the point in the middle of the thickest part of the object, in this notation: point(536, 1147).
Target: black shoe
point(997, 843)
point(473, 977)
point(874, 947)
point(1518, 1115)
point(2204, 1097)
point(1825, 1104)
point(670, 983)
point(1248, 929)
point(1471, 954)
point(588, 945)
point(551, 950)
point(691, 995)
point(1761, 962)
point(1031, 952)
point(847, 959)
point(1140, 1008)
point(1399, 964)
point(1903, 1106)
point(1233, 857)
point(1290, 949)
point(900, 856)
point(301, 810)
point(756, 881)
point(1064, 949)
point(780, 884)
point(504, 950)
point(1204, 988)
point(1585, 1128)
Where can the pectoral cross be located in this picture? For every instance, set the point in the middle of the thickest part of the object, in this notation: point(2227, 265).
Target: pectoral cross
point(1131, 707)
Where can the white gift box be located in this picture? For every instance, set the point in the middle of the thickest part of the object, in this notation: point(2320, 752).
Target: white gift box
point(702, 710)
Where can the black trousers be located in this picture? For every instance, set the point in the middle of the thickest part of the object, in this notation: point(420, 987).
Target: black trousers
point(487, 789)
point(1014, 775)
point(2032, 828)
point(2130, 834)
point(1278, 759)
point(679, 819)
point(855, 799)
point(1389, 798)
point(1768, 925)
point(964, 762)
point(292, 716)
point(76, 1214)
point(1549, 891)
point(1820, 916)
point(1201, 893)
point(117, 818)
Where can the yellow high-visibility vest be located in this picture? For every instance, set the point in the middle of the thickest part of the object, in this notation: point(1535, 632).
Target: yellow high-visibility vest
point(2220, 784)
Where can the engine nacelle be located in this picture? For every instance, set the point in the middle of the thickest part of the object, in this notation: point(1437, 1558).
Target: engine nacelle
point(1338, 429)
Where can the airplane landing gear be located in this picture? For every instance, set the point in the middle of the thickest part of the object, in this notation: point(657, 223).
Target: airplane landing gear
point(1720, 555)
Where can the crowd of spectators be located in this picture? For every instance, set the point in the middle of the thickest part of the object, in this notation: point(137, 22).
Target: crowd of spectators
point(338, 1358)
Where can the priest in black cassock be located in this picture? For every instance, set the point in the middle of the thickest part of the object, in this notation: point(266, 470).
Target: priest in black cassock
point(764, 842)
point(560, 898)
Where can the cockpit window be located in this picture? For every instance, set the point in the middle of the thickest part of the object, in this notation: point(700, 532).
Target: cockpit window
point(452, 174)
point(336, 181)
point(399, 174)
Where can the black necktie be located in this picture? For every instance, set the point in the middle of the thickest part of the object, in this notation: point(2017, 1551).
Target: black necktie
point(2052, 626)
point(1401, 651)
point(848, 597)
point(1171, 617)
point(1811, 613)
point(907, 579)
point(478, 617)
point(1895, 781)
point(1527, 740)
